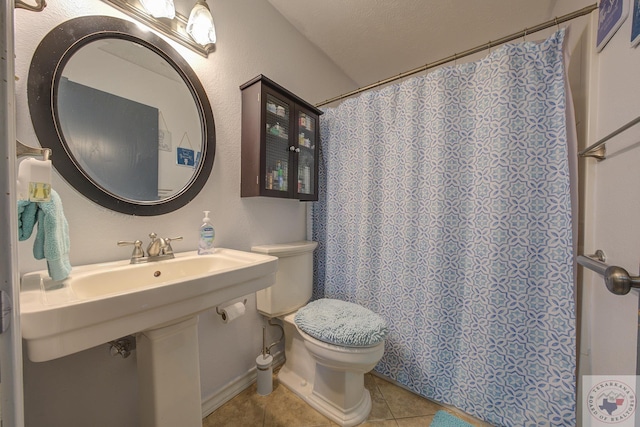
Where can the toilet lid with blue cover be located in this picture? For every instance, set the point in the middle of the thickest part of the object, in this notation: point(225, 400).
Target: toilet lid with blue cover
point(341, 323)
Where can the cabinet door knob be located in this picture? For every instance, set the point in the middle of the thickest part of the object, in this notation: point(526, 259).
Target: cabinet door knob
point(297, 150)
point(292, 148)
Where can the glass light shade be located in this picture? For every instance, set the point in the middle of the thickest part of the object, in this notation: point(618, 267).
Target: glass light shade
point(200, 26)
point(160, 8)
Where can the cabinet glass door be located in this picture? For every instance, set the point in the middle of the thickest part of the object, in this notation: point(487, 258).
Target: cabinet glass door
point(278, 114)
point(307, 155)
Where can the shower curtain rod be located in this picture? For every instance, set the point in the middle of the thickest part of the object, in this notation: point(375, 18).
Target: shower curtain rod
point(548, 24)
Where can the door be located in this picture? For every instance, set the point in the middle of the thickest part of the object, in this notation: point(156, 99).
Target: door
point(114, 139)
point(278, 148)
point(307, 151)
point(11, 389)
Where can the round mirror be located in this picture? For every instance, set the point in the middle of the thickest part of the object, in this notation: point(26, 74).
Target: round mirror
point(128, 121)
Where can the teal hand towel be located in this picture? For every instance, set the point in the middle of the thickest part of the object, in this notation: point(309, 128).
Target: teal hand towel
point(52, 238)
point(26, 218)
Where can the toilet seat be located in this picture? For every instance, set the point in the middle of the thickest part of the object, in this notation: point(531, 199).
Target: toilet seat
point(341, 323)
point(290, 318)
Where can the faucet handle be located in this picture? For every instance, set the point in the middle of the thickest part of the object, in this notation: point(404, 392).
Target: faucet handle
point(168, 249)
point(137, 248)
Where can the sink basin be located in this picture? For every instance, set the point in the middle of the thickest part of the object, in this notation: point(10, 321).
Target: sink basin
point(140, 276)
point(98, 303)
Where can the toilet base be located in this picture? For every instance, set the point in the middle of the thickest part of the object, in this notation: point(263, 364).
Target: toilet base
point(345, 417)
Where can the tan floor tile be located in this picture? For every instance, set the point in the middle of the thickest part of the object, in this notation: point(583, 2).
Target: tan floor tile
point(246, 409)
point(285, 409)
point(404, 404)
point(282, 408)
point(379, 423)
point(379, 408)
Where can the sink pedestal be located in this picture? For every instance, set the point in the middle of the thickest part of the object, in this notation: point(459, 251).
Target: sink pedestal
point(169, 375)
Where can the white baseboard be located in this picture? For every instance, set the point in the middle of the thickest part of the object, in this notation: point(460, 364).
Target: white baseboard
point(235, 387)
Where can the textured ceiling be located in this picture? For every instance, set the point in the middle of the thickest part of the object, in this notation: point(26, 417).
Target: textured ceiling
point(371, 40)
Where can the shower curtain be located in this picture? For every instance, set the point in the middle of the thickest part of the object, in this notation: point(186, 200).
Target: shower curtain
point(445, 207)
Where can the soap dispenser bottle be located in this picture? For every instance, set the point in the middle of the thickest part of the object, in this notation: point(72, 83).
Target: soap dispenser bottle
point(207, 235)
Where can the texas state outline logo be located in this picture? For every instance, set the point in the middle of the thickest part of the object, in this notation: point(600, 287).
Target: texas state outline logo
point(609, 400)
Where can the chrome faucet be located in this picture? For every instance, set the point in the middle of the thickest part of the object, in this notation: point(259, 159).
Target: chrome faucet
point(158, 249)
point(156, 246)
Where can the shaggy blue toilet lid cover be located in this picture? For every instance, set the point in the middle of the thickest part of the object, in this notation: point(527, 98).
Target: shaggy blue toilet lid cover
point(341, 323)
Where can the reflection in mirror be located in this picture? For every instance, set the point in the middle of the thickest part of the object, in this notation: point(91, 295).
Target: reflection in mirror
point(131, 126)
point(122, 132)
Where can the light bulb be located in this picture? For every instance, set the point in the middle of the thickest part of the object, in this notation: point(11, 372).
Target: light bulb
point(200, 26)
point(160, 8)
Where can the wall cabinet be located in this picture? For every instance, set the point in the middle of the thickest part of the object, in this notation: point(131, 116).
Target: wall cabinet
point(280, 142)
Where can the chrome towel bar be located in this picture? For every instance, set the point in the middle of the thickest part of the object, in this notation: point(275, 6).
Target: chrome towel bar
point(24, 150)
point(598, 150)
point(617, 279)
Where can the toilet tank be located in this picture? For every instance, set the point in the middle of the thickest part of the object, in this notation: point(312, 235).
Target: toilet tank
point(294, 279)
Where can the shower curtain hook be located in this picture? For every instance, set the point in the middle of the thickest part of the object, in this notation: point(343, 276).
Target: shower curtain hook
point(557, 25)
point(489, 46)
point(524, 37)
point(455, 59)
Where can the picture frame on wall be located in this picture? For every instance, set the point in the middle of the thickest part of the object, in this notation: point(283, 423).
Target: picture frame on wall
point(611, 15)
point(635, 24)
point(185, 157)
point(164, 140)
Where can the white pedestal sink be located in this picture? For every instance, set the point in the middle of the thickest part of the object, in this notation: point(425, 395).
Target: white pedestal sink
point(158, 301)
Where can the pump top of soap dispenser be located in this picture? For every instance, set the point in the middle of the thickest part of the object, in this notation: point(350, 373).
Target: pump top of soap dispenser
point(206, 217)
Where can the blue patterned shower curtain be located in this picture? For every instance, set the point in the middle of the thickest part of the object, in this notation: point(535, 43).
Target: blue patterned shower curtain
point(445, 207)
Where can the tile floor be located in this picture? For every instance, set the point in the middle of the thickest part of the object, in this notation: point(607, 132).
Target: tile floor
point(392, 406)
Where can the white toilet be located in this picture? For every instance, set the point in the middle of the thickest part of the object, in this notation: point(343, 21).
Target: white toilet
point(328, 376)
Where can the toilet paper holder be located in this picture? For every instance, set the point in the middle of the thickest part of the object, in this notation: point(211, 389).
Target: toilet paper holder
point(222, 313)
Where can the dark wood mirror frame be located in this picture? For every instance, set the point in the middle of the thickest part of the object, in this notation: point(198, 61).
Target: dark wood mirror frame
point(47, 65)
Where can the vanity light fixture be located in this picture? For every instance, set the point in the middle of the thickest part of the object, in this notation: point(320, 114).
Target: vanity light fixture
point(200, 26)
point(160, 8)
point(175, 28)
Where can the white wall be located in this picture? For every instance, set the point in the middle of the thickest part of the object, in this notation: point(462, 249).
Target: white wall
point(614, 203)
point(91, 387)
